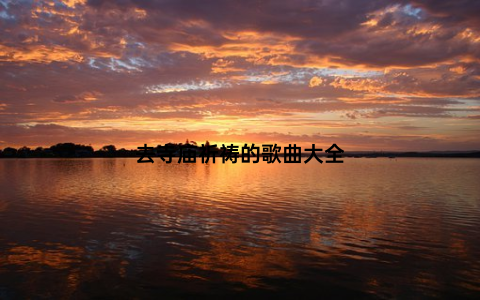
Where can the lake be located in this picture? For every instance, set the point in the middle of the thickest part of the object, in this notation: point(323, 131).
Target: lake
point(113, 228)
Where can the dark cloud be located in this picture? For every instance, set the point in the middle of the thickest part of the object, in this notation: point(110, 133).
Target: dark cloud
point(460, 12)
point(403, 36)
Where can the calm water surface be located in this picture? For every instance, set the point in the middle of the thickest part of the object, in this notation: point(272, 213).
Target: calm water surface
point(113, 228)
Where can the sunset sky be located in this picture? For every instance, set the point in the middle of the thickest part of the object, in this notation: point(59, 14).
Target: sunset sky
point(366, 75)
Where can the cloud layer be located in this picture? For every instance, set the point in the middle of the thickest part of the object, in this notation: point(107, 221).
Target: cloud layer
point(394, 75)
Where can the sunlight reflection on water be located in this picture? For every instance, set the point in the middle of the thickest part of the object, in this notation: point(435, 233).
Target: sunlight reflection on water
point(115, 228)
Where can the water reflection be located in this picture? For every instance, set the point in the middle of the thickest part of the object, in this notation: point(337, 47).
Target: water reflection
point(115, 228)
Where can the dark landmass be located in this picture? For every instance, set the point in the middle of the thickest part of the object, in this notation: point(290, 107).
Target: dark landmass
point(71, 150)
point(373, 154)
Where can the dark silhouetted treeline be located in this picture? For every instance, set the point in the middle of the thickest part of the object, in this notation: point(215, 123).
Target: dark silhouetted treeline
point(67, 150)
point(72, 150)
